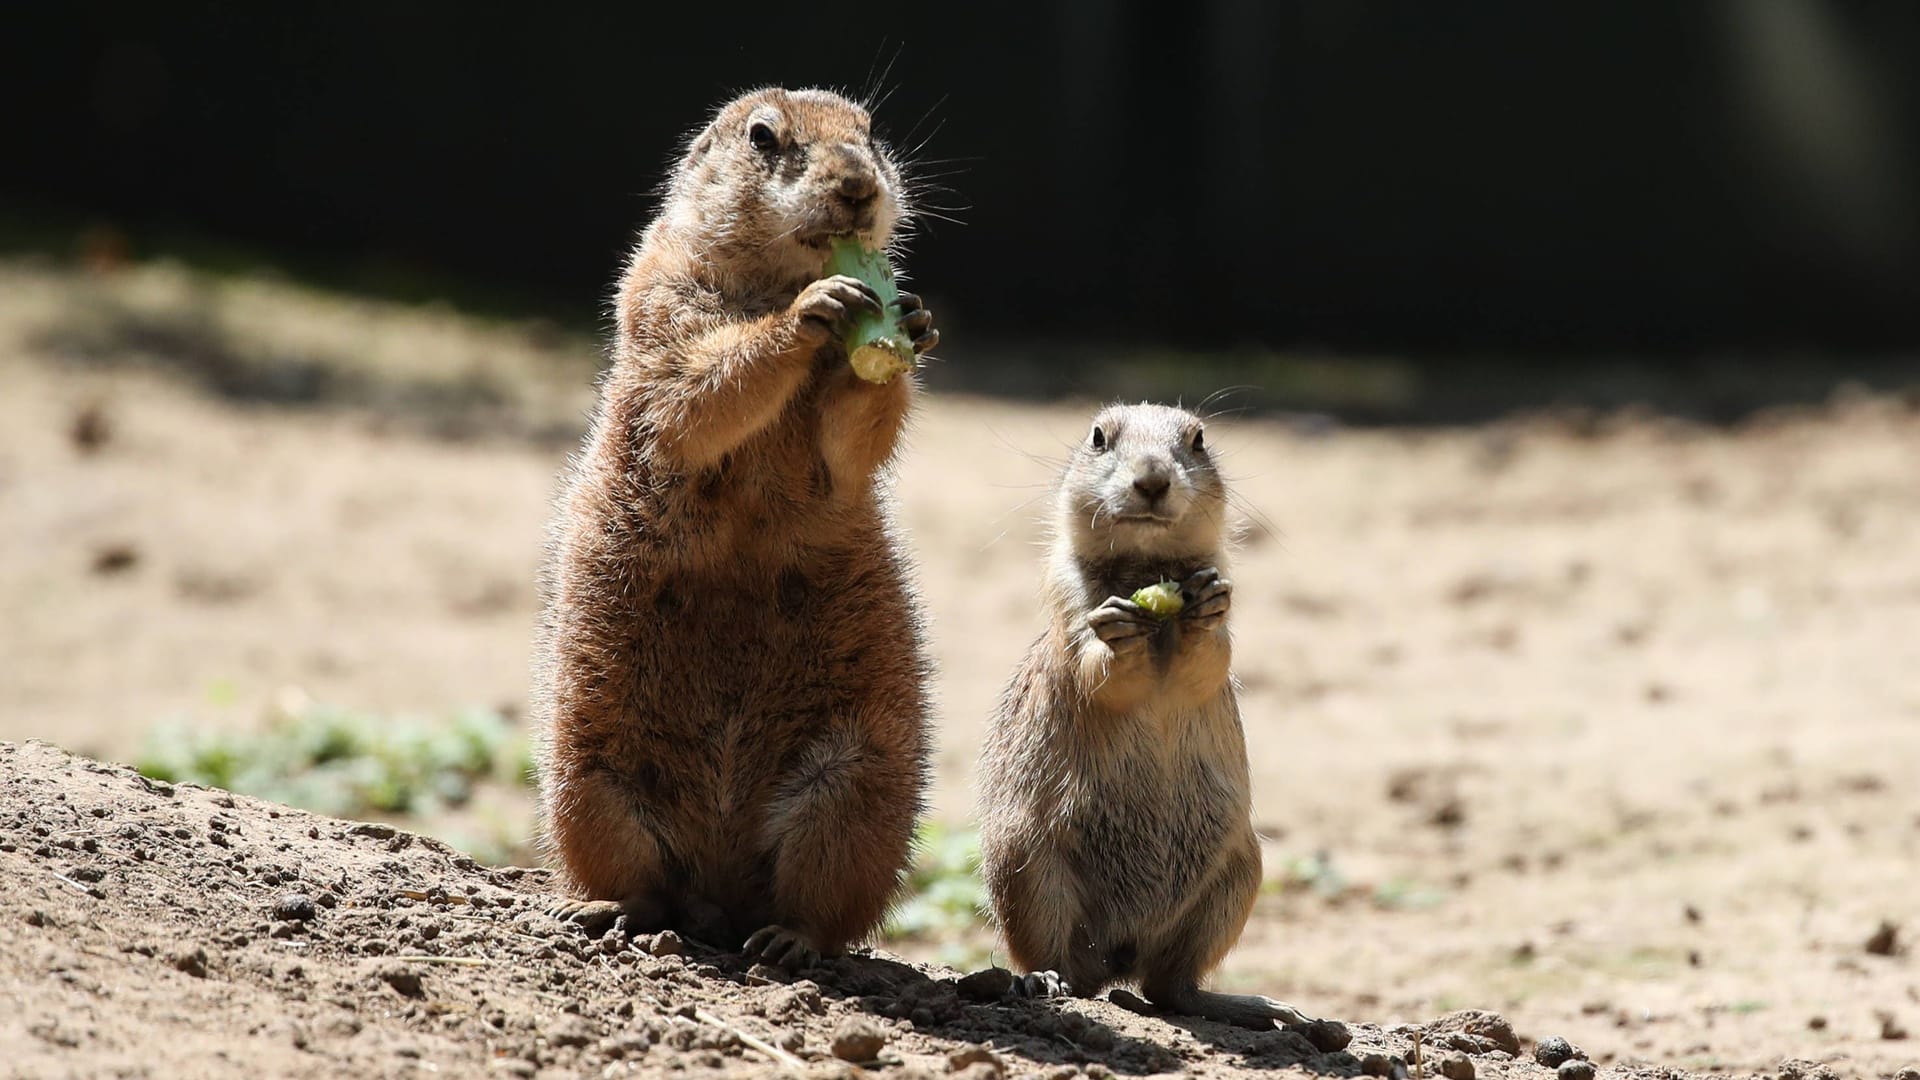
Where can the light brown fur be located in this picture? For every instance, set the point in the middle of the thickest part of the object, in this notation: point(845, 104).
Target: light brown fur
point(731, 691)
point(1114, 795)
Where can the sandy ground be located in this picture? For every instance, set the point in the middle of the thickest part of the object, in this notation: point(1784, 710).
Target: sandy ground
point(1612, 727)
point(254, 940)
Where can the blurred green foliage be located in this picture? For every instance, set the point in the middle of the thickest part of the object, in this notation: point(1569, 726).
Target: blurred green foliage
point(948, 901)
point(353, 763)
point(345, 762)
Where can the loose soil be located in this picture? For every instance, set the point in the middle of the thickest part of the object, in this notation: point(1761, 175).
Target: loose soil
point(1610, 725)
point(151, 929)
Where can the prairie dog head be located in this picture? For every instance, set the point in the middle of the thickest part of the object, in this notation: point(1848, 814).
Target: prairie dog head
point(778, 173)
point(1142, 482)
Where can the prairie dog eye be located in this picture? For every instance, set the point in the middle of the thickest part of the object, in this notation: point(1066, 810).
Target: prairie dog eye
point(1098, 440)
point(762, 136)
point(1199, 439)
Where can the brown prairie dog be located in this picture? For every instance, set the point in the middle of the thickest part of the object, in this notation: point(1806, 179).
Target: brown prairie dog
point(731, 692)
point(1114, 797)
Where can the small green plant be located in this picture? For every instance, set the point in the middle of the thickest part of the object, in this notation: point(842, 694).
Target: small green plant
point(948, 902)
point(346, 762)
point(1406, 894)
point(1314, 873)
point(945, 882)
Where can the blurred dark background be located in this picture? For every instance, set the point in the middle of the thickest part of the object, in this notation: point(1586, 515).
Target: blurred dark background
point(1516, 179)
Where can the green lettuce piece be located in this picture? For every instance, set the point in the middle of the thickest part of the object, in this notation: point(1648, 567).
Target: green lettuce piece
point(876, 346)
point(1162, 601)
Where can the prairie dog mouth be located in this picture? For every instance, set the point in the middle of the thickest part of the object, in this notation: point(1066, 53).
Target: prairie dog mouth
point(823, 234)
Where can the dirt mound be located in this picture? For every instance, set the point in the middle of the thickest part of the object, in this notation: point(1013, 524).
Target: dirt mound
point(149, 929)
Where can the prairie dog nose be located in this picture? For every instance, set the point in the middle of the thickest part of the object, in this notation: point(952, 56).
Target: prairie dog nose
point(1152, 482)
point(857, 186)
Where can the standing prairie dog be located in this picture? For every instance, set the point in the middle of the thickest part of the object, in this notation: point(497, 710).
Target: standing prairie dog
point(731, 693)
point(1114, 802)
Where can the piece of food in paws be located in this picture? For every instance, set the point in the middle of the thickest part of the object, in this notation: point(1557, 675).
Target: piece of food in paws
point(1162, 601)
point(877, 347)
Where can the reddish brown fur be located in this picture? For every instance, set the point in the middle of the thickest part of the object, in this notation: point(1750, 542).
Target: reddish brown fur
point(732, 679)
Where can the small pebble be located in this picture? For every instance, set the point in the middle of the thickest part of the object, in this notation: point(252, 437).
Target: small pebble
point(294, 907)
point(1456, 1067)
point(667, 943)
point(1575, 1069)
point(1553, 1050)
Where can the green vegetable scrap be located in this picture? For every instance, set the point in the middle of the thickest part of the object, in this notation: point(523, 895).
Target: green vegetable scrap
point(876, 346)
point(1162, 601)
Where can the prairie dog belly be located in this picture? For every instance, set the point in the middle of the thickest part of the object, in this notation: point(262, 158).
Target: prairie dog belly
point(1139, 858)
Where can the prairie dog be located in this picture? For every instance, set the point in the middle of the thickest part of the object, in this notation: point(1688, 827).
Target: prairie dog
point(731, 690)
point(1114, 797)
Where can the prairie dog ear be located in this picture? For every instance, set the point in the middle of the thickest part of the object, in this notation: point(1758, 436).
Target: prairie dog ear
point(701, 146)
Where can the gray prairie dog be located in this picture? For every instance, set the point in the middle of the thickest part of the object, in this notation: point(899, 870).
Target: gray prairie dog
point(731, 691)
point(1114, 800)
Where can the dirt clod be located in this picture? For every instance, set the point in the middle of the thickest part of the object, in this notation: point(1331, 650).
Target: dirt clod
point(858, 1040)
point(798, 999)
point(666, 943)
point(193, 963)
point(1797, 1069)
point(91, 429)
point(1575, 1069)
point(294, 907)
point(1487, 1025)
point(1327, 1036)
point(967, 1057)
point(115, 559)
point(404, 980)
point(1097, 1037)
point(1455, 1066)
point(1884, 941)
point(1465, 1043)
point(988, 984)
